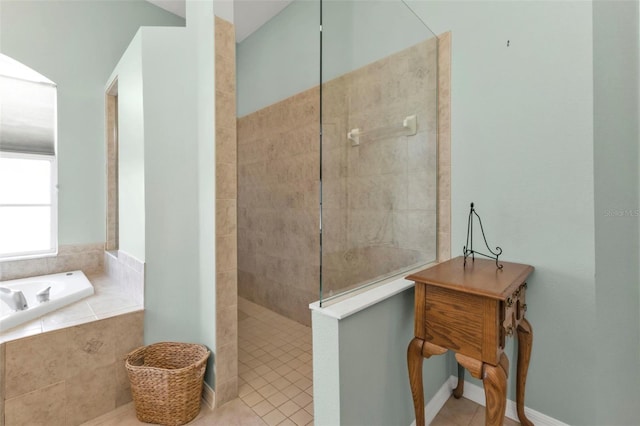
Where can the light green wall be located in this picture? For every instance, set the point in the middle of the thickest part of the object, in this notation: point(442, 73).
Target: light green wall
point(200, 16)
point(523, 150)
point(171, 187)
point(616, 151)
point(354, 35)
point(374, 382)
point(326, 369)
point(77, 45)
point(360, 366)
point(280, 59)
point(357, 33)
point(180, 283)
point(130, 150)
point(179, 180)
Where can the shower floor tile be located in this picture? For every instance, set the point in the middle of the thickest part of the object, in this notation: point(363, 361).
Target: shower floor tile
point(275, 364)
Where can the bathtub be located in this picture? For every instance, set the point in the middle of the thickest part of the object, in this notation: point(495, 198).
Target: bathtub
point(66, 288)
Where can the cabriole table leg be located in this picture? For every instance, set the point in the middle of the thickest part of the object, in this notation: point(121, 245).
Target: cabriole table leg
point(414, 361)
point(525, 342)
point(495, 389)
point(459, 390)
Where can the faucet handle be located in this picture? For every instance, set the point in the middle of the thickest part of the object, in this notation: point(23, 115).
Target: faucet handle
point(43, 295)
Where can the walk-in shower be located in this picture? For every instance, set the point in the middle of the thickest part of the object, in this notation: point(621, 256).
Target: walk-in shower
point(337, 182)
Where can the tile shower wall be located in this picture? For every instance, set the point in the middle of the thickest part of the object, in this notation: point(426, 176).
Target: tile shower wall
point(69, 376)
point(88, 258)
point(226, 353)
point(444, 146)
point(371, 193)
point(379, 197)
point(278, 216)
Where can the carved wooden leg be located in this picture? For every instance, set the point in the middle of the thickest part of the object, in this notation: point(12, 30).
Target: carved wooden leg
point(495, 389)
point(414, 361)
point(525, 341)
point(459, 390)
point(417, 350)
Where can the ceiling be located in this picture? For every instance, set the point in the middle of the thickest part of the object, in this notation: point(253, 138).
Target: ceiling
point(248, 15)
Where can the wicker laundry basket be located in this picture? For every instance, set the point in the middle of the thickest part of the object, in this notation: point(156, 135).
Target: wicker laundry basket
point(166, 381)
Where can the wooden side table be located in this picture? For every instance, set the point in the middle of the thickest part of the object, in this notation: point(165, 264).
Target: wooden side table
point(471, 310)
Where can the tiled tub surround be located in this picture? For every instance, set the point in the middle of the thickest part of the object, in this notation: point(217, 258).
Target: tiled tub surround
point(59, 290)
point(108, 301)
point(89, 258)
point(71, 375)
point(67, 367)
point(118, 285)
point(379, 198)
point(127, 273)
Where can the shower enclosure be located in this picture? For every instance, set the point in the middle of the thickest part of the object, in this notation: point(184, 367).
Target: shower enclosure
point(379, 150)
point(338, 183)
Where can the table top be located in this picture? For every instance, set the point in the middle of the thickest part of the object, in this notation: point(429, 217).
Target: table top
point(480, 277)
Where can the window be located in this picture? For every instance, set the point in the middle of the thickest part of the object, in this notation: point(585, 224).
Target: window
point(28, 164)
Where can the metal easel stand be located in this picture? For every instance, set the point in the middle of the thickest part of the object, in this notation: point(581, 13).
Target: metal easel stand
point(468, 248)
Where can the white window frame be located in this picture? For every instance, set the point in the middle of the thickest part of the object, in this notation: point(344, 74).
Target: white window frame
point(53, 251)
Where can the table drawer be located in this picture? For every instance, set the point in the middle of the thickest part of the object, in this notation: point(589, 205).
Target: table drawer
point(464, 323)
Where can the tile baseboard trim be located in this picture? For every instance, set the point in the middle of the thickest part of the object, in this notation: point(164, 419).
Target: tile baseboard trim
point(208, 396)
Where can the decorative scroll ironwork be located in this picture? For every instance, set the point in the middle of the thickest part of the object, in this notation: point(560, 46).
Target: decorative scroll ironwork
point(468, 248)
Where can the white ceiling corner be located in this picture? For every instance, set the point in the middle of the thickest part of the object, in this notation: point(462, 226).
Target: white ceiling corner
point(177, 7)
point(248, 15)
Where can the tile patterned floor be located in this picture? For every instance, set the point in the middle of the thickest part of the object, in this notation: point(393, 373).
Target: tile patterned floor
point(275, 366)
point(275, 380)
point(463, 412)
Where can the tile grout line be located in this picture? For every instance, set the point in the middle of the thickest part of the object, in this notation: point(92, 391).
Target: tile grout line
point(273, 330)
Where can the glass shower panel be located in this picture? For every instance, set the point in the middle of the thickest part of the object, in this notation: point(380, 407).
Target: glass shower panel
point(379, 143)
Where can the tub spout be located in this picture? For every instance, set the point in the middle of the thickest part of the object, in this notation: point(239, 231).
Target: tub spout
point(14, 298)
point(43, 295)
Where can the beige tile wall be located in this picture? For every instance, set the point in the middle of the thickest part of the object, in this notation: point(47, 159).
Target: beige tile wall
point(380, 214)
point(444, 146)
point(88, 258)
point(226, 353)
point(69, 376)
point(379, 198)
point(278, 217)
point(111, 137)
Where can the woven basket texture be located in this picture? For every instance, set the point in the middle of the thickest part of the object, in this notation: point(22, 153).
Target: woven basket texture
point(166, 381)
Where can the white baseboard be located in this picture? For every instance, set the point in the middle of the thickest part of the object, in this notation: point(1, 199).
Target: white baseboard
point(476, 394)
point(436, 403)
point(208, 396)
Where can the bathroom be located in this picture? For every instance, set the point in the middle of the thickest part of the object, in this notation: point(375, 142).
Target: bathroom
point(530, 126)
